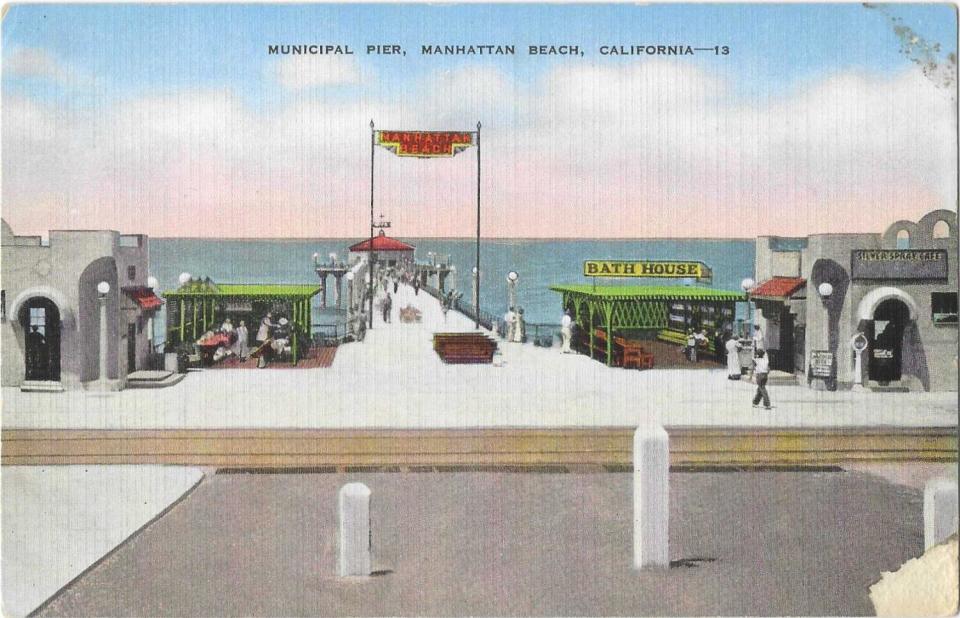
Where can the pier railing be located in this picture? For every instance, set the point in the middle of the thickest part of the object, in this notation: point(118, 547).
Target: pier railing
point(487, 319)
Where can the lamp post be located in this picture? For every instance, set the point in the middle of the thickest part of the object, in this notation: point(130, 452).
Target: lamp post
point(512, 278)
point(825, 290)
point(103, 288)
point(333, 258)
point(473, 287)
point(316, 260)
point(746, 285)
point(153, 284)
point(349, 277)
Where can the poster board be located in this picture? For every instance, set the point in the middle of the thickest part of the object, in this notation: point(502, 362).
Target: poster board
point(469, 245)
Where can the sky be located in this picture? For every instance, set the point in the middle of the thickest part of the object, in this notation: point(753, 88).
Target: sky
point(173, 120)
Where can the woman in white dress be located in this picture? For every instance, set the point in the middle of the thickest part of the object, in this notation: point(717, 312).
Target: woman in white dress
point(733, 358)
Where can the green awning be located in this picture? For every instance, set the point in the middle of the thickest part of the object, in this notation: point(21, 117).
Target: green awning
point(249, 290)
point(649, 292)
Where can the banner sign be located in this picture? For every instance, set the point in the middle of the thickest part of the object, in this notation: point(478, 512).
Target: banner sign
point(425, 144)
point(821, 364)
point(898, 264)
point(656, 268)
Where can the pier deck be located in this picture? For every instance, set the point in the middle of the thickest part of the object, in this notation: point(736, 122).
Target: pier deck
point(395, 381)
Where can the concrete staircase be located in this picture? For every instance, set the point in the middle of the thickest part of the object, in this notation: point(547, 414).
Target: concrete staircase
point(41, 386)
point(153, 379)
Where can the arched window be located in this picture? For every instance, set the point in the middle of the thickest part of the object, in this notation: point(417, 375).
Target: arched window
point(903, 239)
point(941, 229)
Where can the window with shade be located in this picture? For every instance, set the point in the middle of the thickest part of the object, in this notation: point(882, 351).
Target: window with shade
point(943, 307)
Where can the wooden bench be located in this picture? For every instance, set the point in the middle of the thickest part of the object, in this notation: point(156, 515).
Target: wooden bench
point(464, 348)
point(626, 352)
point(634, 354)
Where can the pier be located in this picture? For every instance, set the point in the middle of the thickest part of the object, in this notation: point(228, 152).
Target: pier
point(407, 408)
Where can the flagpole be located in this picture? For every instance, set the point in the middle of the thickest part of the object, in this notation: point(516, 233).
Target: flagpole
point(370, 253)
point(478, 228)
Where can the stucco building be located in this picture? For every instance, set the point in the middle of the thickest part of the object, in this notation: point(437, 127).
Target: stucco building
point(893, 295)
point(50, 318)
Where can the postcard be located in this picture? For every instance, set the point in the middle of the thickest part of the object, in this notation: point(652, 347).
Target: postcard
point(479, 309)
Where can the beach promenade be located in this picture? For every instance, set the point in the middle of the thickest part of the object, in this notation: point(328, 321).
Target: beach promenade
point(390, 399)
point(394, 379)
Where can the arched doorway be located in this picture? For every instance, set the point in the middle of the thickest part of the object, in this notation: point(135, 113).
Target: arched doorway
point(890, 319)
point(40, 320)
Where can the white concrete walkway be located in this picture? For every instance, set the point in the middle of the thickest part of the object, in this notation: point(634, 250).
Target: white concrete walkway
point(395, 379)
point(59, 520)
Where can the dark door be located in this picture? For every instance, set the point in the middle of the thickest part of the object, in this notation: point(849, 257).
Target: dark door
point(886, 340)
point(131, 347)
point(785, 357)
point(40, 321)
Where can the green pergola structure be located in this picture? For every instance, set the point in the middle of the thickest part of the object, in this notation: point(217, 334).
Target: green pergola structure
point(632, 307)
point(199, 305)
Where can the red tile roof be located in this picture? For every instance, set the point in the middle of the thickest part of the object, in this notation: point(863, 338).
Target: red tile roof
point(144, 297)
point(382, 243)
point(778, 287)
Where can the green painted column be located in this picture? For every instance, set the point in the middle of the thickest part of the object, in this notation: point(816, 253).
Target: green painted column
point(293, 340)
point(183, 319)
point(205, 322)
point(590, 325)
point(194, 303)
point(608, 314)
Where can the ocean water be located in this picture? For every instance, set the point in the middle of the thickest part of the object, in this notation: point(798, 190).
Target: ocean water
point(539, 263)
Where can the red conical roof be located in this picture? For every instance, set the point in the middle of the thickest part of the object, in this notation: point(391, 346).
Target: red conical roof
point(382, 243)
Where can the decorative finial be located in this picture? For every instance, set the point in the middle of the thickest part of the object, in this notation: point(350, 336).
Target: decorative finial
point(478, 125)
point(371, 123)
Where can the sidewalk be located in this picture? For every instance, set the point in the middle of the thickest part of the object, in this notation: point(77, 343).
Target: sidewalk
point(59, 520)
point(394, 379)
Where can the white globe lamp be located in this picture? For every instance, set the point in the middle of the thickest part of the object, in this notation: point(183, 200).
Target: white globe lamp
point(825, 289)
point(103, 288)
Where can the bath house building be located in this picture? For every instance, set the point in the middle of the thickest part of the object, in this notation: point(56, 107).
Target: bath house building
point(890, 299)
point(50, 308)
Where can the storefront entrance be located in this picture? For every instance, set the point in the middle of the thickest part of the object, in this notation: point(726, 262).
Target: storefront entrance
point(886, 340)
point(40, 320)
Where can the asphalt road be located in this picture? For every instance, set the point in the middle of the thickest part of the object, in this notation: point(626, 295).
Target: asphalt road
point(494, 543)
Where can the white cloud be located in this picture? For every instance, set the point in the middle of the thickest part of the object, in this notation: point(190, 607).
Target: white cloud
point(646, 148)
point(302, 72)
point(38, 63)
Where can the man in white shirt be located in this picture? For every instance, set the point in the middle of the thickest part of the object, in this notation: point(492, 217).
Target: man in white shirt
point(761, 370)
point(758, 341)
point(565, 331)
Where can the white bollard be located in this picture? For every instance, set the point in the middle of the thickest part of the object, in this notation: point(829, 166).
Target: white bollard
point(939, 511)
point(354, 508)
point(651, 497)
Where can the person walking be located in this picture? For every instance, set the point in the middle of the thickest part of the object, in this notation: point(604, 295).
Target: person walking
point(416, 286)
point(761, 370)
point(387, 305)
point(565, 331)
point(691, 346)
point(733, 348)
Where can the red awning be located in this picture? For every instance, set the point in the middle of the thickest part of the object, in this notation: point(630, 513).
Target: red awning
point(144, 297)
point(778, 288)
point(382, 243)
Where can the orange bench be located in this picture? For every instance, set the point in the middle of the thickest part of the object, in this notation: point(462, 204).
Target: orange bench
point(464, 348)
